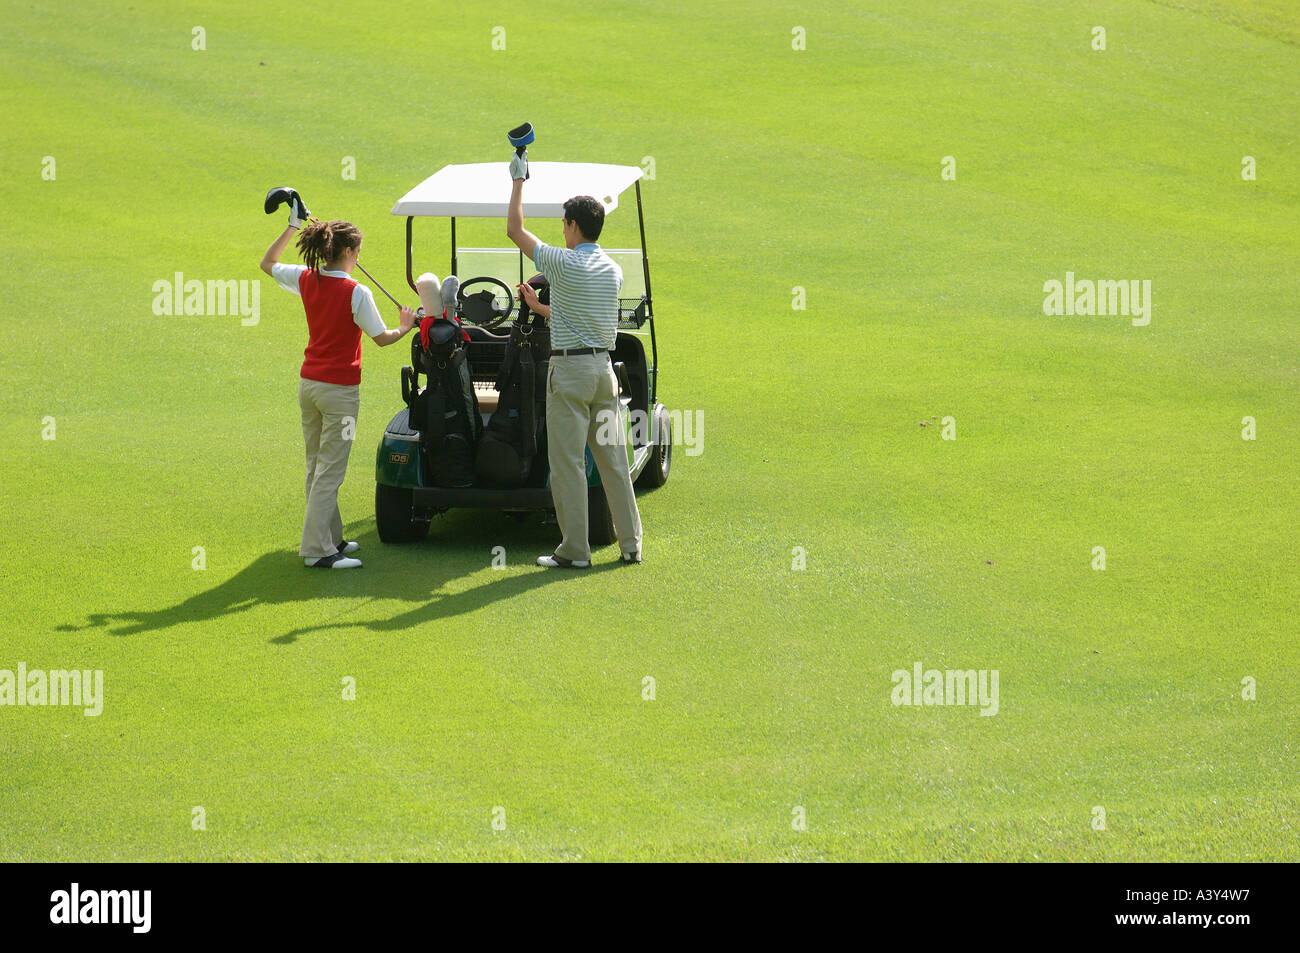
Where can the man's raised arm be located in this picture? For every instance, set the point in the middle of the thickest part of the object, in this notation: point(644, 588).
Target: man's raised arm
point(525, 240)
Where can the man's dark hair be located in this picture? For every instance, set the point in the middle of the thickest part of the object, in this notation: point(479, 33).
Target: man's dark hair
point(587, 213)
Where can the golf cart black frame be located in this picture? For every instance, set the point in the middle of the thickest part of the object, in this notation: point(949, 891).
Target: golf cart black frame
point(643, 314)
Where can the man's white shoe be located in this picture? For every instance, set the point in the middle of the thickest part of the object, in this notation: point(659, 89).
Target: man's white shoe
point(559, 562)
point(350, 547)
point(337, 561)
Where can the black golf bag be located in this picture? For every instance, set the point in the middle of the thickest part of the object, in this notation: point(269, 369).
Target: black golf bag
point(445, 411)
point(510, 442)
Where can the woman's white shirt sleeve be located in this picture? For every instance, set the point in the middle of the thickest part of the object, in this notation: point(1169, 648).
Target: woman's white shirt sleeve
point(364, 312)
point(286, 276)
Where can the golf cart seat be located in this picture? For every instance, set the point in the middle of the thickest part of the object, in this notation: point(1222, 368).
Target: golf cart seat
point(487, 396)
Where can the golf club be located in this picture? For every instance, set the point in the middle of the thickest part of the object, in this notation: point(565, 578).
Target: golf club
point(378, 285)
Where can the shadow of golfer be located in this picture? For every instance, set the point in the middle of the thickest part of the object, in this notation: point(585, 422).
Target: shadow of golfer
point(441, 605)
point(459, 546)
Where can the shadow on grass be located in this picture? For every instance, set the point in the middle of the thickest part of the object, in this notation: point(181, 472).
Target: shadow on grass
point(459, 545)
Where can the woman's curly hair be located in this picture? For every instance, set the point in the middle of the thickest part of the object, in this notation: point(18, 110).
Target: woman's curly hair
point(322, 242)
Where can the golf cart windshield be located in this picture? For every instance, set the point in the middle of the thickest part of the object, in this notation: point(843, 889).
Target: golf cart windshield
point(510, 266)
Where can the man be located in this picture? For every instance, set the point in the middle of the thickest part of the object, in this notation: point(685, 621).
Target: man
point(581, 388)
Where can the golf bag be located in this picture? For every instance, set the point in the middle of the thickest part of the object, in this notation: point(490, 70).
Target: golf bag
point(513, 434)
point(445, 411)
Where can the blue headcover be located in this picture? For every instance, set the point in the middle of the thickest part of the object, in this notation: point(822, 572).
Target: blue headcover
point(521, 135)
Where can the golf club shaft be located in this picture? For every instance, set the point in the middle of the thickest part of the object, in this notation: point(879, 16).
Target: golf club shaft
point(378, 285)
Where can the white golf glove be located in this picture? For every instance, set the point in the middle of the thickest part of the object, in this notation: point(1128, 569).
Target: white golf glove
point(297, 213)
point(519, 166)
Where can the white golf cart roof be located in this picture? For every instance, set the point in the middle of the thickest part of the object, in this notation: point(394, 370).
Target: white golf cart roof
point(482, 189)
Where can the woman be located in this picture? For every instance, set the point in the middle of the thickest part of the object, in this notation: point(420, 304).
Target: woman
point(338, 310)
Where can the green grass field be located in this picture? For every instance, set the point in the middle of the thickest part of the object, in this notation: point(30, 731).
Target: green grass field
point(521, 689)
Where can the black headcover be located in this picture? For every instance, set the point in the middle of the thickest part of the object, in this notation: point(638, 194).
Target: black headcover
point(278, 196)
point(542, 287)
point(444, 337)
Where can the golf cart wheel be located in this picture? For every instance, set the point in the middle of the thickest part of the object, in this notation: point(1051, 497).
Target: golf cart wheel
point(395, 515)
point(661, 457)
point(600, 522)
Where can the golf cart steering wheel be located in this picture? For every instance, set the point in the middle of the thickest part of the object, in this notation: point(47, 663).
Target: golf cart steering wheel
point(481, 308)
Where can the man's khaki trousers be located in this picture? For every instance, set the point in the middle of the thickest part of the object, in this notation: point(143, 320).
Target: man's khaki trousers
point(329, 420)
point(578, 388)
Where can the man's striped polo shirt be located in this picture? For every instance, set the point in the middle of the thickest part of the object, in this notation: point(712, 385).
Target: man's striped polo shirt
point(584, 294)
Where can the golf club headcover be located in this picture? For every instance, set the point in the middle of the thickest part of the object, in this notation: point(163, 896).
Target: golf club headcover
point(449, 289)
point(429, 288)
point(275, 198)
point(542, 286)
point(297, 210)
point(521, 136)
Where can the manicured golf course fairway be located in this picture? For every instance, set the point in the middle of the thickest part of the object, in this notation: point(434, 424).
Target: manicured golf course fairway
point(1149, 710)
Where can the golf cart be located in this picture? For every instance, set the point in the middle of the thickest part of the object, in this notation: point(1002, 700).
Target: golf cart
point(482, 343)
